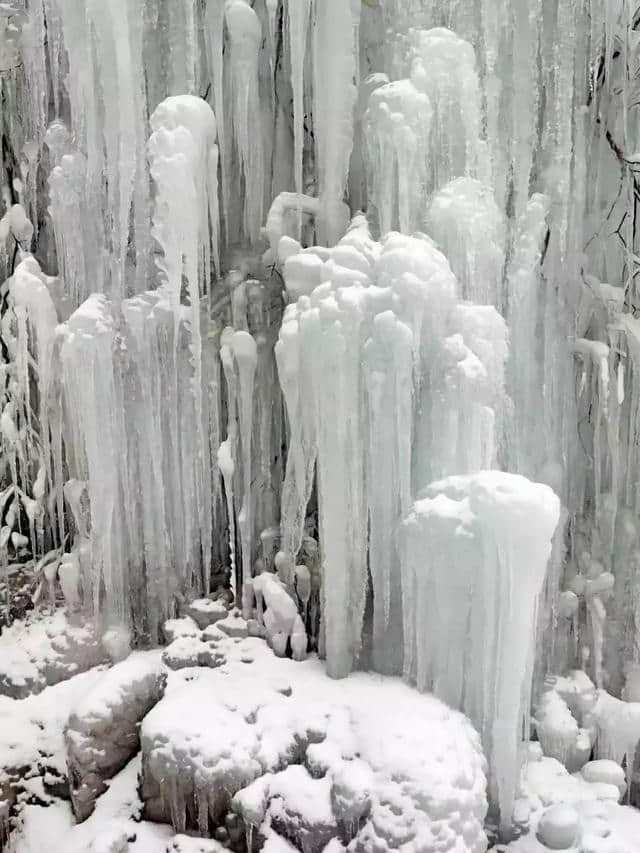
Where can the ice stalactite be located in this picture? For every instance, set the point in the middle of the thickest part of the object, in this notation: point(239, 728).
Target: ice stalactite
point(523, 289)
point(444, 66)
point(469, 401)
point(92, 411)
point(183, 47)
point(243, 347)
point(36, 320)
point(184, 160)
point(298, 15)
point(334, 74)
point(244, 40)
point(474, 558)
point(214, 41)
point(469, 228)
point(35, 116)
point(397, 127)
point(362, 347)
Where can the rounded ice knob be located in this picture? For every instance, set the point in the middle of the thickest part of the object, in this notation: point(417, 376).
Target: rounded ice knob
point(559, 827)
point(568, 603)
point(605, 771)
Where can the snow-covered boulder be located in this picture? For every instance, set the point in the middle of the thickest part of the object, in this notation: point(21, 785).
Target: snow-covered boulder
point(191, 651)
point(45, 650)
point(102, 733)
point(302, 759)
point(294, 804)
point(207, 611)
point(233, 625)
point(183, 627)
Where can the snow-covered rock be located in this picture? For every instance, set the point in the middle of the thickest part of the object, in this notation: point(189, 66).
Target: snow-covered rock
point(303, 758)
point(102, 732)
point(44, 650)
point(183, 627)
point(31, 739)
point(233, 625)
point(294, 804)
point(191, 651)
point(207, 611)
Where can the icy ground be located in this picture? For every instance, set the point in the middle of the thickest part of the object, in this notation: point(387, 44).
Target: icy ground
point(261, 750)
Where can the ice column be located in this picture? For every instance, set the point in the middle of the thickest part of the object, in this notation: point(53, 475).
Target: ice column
point(474, 559)
point(94, 440)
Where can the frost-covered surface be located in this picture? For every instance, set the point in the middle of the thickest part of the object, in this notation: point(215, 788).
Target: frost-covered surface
point(45, 649)
point(388, 766)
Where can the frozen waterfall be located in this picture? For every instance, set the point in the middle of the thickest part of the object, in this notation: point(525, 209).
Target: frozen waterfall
point(344, 291)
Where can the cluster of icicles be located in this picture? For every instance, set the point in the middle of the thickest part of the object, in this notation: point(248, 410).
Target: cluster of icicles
point(158, 395)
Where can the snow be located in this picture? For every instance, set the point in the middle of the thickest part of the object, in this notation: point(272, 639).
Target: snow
point(553, 803)
point(224, 728)
point(31, 729)
point(43, 650)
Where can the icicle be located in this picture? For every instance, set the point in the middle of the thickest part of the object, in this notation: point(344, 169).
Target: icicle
point(466, 223)
point(214, 40)
point(245, 37)
point(244, 351)
point(525, 381)
point(298, 12)
point(444, 66)
point(90, 390)
point(334, 72)
point(397, 128)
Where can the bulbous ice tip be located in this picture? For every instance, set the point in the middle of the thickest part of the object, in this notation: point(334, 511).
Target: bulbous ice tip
point(243, 24)
point(244, 347)
point(559, 827)
point(188, 111)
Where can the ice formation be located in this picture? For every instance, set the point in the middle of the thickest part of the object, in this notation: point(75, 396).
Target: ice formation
point(316, 304)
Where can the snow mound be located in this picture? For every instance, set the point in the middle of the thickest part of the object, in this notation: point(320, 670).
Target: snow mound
point(44, 650)
point(102, 732)
point(579, 811)
point(366, 761)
